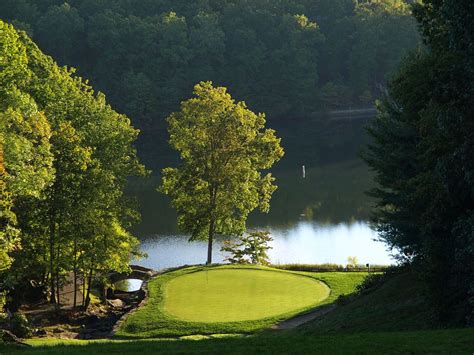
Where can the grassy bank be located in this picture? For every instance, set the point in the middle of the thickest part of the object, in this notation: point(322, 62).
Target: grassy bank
point(230, 299)
point(397, 304)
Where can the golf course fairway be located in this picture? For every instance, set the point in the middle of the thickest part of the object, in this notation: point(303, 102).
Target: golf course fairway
point(232, 295)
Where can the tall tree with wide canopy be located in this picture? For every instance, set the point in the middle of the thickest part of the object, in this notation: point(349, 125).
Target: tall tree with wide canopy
point(223, 148)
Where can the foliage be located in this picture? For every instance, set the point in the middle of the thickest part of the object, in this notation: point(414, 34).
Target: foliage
point(223, 147)
point(285, 58)
point(65, 159)
point(250, 248)
point(352, 261)
point(25, 157)
point(422, 155)
point(20, 326)
point(330, 267)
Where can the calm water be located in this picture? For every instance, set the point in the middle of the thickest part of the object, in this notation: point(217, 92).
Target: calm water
point(322, 218)
point(128, 285)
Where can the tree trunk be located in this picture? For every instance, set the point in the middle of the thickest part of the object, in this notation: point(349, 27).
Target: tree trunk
point(83, 289)
point(209, 245)
point(74, 305)
point(212, 200)
point(58, 286)
point(52, 231)
point(88, 296)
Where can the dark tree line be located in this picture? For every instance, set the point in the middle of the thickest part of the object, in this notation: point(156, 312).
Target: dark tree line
point(286, 58)
point(423, 154)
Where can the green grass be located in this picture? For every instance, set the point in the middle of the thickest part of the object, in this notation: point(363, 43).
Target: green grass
point(225, 295)
point(370, 324)
point(221, 299)
point(457, 341)
point(396, 305)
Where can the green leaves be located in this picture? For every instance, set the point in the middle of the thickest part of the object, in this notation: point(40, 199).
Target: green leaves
point(223, 146)
point(250, 248)
point(422, 154)
point(65, 159)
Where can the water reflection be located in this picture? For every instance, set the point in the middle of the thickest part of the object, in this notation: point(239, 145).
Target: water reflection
point(317, 219)
point(305, 243)
point(128, 285)
point(330, 194)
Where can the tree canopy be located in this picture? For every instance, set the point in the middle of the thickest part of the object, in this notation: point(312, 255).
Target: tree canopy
point(286, 58)
point(65, 158)
point(223, 147)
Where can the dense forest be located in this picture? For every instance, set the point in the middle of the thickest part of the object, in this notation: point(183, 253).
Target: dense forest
point(287, 58)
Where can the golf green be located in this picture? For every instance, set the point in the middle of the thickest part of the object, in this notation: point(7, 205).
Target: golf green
point(229, 295)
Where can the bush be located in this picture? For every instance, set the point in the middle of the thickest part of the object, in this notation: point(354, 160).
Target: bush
point(251, 248)
point(330, 267)
point(20, 326)
point(373, 281)
point(343, 300)
point(3, 319)
point(310, 267)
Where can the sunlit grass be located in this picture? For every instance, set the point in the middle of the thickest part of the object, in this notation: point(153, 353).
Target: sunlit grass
point(223, 295)
point(236, 301)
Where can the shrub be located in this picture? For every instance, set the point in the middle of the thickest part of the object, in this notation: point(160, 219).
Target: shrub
point(20, 326)
point(251, 248)
point(3, 320)
point(343, 300)
point(373, 281)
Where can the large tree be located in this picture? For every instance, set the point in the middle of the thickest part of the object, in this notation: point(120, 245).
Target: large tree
point(223, 148)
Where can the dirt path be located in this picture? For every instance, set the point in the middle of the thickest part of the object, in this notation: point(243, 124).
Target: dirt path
point(303, 318)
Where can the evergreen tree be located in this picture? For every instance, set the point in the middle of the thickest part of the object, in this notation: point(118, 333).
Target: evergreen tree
point(423, 153)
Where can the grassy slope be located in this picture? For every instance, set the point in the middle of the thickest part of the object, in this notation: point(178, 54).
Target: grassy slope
point(396, 305)
point(152, 320)
point(448, 341)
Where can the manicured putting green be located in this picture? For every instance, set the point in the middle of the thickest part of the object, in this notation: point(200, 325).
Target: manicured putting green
point(228, 295)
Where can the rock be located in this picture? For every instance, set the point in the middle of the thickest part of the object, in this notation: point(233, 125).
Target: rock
point(40, 332)
point(58, 330)
point(116, 303)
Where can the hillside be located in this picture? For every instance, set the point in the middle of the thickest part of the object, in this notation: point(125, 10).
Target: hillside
point(396, 305)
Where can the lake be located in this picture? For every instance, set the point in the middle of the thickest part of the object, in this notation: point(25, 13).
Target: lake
point(320, 218)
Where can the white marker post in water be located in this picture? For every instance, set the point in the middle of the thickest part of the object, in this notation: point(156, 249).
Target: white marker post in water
point(304, 172)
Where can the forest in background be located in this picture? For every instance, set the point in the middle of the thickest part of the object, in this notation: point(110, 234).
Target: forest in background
point(287, 58)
